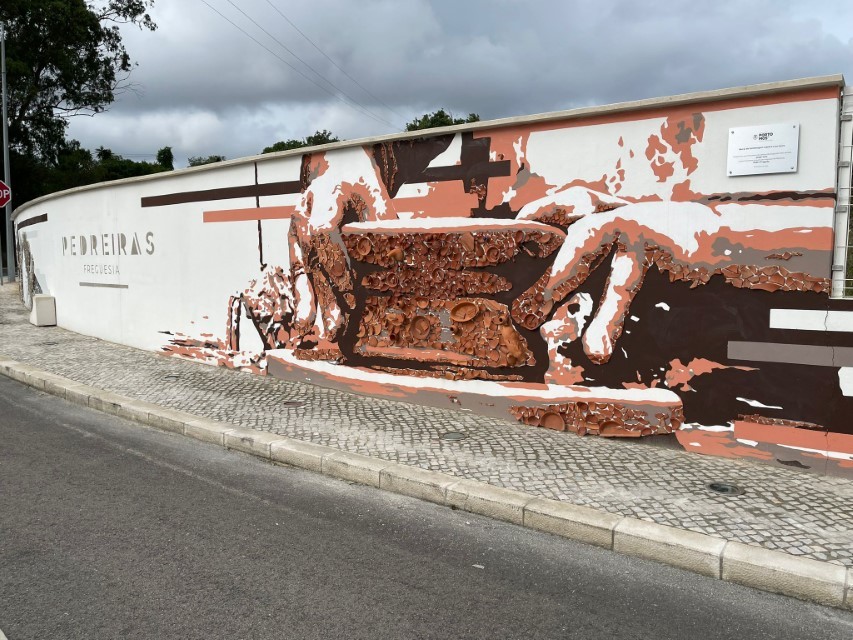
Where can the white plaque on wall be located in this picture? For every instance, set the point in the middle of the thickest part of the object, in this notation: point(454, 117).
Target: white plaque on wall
point(766, 148)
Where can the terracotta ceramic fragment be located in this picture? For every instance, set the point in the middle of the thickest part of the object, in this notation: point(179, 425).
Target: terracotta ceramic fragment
point(464, 311)
point(363, 246)
point(420, 328)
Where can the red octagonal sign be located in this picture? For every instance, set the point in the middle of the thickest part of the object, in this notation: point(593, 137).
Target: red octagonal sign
point(5, 194)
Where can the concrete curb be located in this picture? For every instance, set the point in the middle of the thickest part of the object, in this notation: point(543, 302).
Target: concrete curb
point(812, 580)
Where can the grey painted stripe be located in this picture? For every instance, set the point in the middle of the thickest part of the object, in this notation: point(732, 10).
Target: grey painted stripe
point(791, 353)
point(105, 285)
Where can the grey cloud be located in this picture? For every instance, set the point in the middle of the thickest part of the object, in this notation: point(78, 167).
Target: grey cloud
point(216, 91)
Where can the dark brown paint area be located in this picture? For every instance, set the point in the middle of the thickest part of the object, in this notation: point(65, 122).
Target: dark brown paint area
point(699, 324)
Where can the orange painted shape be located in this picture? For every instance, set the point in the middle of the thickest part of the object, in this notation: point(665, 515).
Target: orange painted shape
point(442, 200)
point(718, 443)
point(253, 213)
point(781, 435)
point(840, 443)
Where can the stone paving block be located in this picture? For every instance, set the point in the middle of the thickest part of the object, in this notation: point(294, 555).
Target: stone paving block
point(105, 401)
point(686, 549)
point(135, 410)
point(354, 467)
point(167, 420)
point(848, 595)
point(571, 521)
point(415, 482)
point(255, 442)
point(207, 430)
point(802, 578)
point(299, 454)
point(78, 394)
point(487, 500)
point(55, 388)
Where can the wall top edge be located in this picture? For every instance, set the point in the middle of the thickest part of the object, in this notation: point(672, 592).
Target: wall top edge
point(716, 95)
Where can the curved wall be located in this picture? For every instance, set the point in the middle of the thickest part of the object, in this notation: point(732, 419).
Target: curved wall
point(599, 271)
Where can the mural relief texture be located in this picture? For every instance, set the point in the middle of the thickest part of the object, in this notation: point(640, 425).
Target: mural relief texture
point(581, 281)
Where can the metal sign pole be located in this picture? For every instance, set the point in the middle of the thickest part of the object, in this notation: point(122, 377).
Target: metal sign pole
point(10, 253)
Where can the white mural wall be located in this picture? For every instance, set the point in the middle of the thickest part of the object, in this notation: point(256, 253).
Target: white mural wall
point(528, 269)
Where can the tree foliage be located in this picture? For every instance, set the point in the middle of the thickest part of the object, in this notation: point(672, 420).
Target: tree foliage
point(440, 118)
point(316, 138)
point(165, 158)
point(197, 161)
point(64, 58)
point(73, 166)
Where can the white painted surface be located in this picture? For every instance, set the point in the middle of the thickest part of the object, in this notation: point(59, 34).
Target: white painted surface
point(477, 387)
point(811, 320)
point(450, 156)
point(845, 381)
point(184, 285)
point(757, 404)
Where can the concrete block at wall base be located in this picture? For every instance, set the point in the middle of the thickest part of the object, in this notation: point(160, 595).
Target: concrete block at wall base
point(487, 500)
point(789, 575)
point(571, 521)
point(686, 549)
point(43, 313)
point(304, 455)
point(255, 442)
point(416, 483)
point(354, 467)
point(848, 598)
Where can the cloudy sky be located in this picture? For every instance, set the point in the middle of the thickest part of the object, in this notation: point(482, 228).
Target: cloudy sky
point(205, 87)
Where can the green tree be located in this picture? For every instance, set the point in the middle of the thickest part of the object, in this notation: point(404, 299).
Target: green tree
point(165, 158)
point(440, 118)
point(197, 161)
point(64, 58)
point(316, 138)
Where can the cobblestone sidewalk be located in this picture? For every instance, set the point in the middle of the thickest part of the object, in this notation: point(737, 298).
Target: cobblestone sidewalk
point(786, 510)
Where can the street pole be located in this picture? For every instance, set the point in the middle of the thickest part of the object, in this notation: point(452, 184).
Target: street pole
point(10, 252)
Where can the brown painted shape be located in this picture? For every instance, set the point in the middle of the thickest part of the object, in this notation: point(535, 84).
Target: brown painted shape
point(32, 221)
point(224, 193)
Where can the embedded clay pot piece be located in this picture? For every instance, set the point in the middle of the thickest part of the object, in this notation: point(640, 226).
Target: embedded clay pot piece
point(467, 241)
point(337, 269)
point(363, 246)
point(464, 311)
point(396, 254)
point(422, 302)
point(420, 328)
point(552, 420)
point(493, 253)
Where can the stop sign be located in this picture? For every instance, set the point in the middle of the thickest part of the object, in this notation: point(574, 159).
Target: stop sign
point(5, 194)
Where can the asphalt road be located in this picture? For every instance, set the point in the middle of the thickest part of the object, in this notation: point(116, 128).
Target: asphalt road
point(112, 530)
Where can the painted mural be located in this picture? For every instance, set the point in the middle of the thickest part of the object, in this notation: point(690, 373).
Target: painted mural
point(586, 276)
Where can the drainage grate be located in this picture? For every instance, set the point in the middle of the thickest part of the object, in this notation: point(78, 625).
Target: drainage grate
point(49, 343)
point(292, 403)
point(171, 377)
point(725, 488)
point(453, 435)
